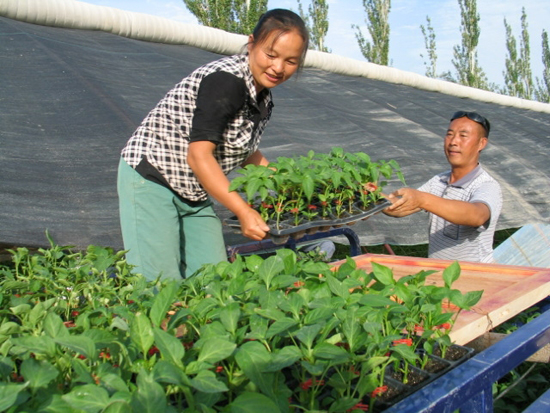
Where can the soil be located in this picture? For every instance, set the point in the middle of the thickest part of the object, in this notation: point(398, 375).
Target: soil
point(453, 353)
point(434, 365)
point(414, 377)
point(392, 392)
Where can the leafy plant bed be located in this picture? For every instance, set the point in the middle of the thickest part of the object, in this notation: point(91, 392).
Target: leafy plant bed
point(287, 227)
point(82, 332)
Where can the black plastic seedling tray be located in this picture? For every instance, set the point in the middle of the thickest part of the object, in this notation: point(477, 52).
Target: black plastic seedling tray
point(399, 390)
point(287, 228)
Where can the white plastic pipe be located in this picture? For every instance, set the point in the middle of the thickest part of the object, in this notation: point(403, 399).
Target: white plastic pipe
point(78, 15)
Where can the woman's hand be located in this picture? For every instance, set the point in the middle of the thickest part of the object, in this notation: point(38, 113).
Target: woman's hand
point(252, 224)
point(209, 173)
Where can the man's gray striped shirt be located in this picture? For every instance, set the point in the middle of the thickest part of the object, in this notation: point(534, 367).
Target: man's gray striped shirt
point(458, 242)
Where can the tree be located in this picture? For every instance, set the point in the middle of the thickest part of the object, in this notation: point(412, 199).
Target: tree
point(377, 50)
point(525, 55)
point(317, 23)
point(542, 92)
point(235, 16)
point(429, 42)
point(468, 71)
point(512, 85)
point(518, 79)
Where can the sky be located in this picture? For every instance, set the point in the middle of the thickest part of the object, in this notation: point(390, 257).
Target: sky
point(406, 39)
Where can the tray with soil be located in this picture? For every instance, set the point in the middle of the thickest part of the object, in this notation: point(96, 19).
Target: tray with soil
point(416, 378)
point(290, 226)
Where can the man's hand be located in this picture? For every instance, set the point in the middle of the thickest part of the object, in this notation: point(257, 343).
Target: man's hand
point(405, 201)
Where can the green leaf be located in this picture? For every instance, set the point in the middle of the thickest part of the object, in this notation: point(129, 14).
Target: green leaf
point(141, 332)
point(229, 316)
point(383, 274)
point(79, 344)
point(37, 314)
point(467, 300)
point(53, 326)
point(307, 334)
point(367, 383)
point(118, 406)
point(207, 382)
point(289, 259)
point(308, 185)
point(89, 398)
point(214, 350)
point(328, 351)
point(55, 404)
point(163, 300)
point(113, 383)
point(315, 369)
point(38, 373)
point(6, 367)
point(166, 372)
point(149, 396)
point(253, 262)
point(319, 315)
point(9, 393)
point(101, 257)
point(20, 309)
point(8, 328)
point(253, 359)
point(285, 357)
point(82, 373)
point(405, 352)
point(248, 402)
point(120, 323)
point(270, 268)
point(373, 362)
point(280, 326)
point(376, 301)
point(214, 329)
point(270, 313)
point(38, 345)
point(338, 288)
point(352, 330)
point(296, 302)
point(451, 274)
point(170, 347)
point(258, 327)
point(101, 338)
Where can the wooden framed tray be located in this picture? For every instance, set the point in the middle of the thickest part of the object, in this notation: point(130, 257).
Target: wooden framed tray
point(507, 289)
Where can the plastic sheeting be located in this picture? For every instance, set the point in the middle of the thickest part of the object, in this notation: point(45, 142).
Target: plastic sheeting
point(69, 100)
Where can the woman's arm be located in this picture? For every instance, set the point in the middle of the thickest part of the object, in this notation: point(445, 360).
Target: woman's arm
point(210, 175)
point(257, 158)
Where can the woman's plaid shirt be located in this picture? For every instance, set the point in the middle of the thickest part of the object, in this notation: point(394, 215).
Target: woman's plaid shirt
point(163, 136)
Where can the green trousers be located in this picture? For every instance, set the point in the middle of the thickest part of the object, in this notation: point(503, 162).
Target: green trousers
point(163, 234)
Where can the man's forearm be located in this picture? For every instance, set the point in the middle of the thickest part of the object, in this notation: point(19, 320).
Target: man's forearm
point(458, 212)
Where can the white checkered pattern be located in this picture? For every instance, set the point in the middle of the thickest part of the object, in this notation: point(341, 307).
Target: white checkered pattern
point(163, 136)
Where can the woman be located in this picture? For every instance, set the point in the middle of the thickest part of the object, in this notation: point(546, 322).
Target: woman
point(205, 127)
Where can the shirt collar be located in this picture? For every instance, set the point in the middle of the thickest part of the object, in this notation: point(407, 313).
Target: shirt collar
point(249, 80)
point(464, 181)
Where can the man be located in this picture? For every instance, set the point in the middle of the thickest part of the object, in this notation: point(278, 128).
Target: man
point(464, 203)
